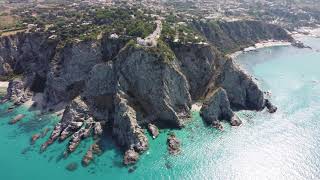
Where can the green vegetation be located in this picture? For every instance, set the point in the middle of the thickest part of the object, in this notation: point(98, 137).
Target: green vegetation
point(88, 22)
point(184, 33)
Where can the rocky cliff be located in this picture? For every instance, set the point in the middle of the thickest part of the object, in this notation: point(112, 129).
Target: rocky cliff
point(235, 35)
point(118, 86)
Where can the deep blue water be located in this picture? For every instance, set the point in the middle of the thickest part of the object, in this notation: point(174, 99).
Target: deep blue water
point(284, 145)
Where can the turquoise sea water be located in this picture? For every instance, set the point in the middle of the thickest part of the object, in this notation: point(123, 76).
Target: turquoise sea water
point(284, 145)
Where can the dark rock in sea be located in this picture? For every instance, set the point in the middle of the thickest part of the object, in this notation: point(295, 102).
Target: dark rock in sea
point(34, 138)
point(44, 132)
point(88, 157)
point(173, 144)
point(271, 108)
point(72, 166)
point(9, 110)
point(54, 136)
point(96, 149)
point(132, 169)
point(235, 120)
point(154, 131)
point(217, 125)
point(17, 119)
point(299, 44)
point(168, 165)
point(25, 150)
point(130, 157)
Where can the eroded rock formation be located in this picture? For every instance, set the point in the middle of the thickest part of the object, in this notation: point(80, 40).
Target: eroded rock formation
point(117, 86)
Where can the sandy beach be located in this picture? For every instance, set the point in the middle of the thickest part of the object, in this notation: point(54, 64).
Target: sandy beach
point(196, 106)
point(262, 44)
point(3, 87)
point(4, 84)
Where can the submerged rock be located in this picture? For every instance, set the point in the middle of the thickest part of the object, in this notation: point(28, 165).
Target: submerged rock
point(130, 157)
point(173, 144)
point(34, 138)
point(154, 131)
point(88, 157)
point(17, 119)
point(72, 166)
point(132, 169)
point(45, 132)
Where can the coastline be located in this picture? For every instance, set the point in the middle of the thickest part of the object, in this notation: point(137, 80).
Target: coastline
point(303, 31)
point(307, 31)
point(260, 45)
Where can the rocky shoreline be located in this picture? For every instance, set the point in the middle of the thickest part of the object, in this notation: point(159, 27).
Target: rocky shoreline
point(120, 87)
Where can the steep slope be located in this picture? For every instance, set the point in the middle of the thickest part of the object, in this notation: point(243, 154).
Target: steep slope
point(233, 36)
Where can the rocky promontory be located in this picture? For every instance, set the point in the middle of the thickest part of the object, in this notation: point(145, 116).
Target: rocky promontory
point(118, 87)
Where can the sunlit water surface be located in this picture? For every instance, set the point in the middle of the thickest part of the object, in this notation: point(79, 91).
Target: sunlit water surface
point(284, 145)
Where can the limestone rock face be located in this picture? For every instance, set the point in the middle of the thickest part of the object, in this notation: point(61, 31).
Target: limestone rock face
point(26, 53)
point(199, 64)
point(100, 90)
point(67, 76)
point(243, 92)
point(217, 107)
point(125, 126)
point(156, 82)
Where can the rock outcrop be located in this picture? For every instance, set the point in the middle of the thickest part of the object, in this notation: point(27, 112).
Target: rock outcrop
point(174, 145)
point(17, 92)
point(199, 63)
point(74, 117)
point(217, 108)
point(16, 119)
point(130, 157)
point(243, 92)
point(154, 131)
point(153, 77)
point(125, 126)
point(271, 108)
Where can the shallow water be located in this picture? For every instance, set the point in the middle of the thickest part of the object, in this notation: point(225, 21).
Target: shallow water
point(284, 145)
